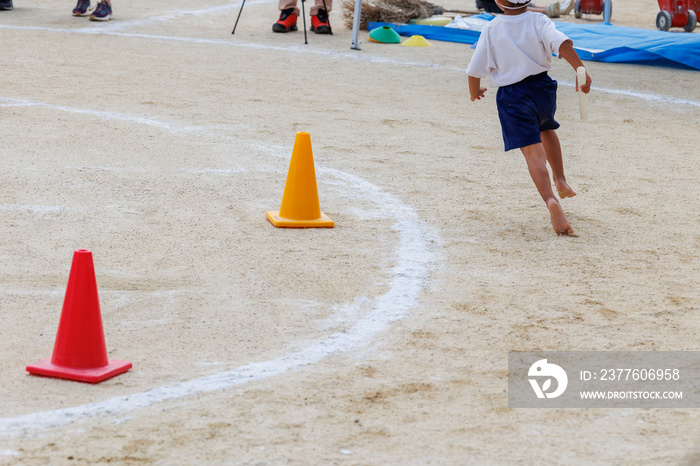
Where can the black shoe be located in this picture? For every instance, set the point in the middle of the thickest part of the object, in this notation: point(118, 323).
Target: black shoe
point(102, 12)
point(287, 21)
point(319, 22)
point(488, 5)
point(5, 4)
point(82, 8)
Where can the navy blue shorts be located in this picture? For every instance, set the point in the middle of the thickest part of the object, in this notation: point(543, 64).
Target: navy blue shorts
point(527, 108)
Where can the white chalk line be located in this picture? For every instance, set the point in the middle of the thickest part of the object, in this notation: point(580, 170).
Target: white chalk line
point(11, 102)
point(299, 49)
point(214, 171)
point(639, 95)
point(649, 97)
point(358, 56)
point(409, 276)
point(32, 208)
point(178, 14)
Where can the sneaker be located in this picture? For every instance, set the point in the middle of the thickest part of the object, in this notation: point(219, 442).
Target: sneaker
point(81, 9)
point(565, 7)
point(319, 22)
point(287, 21)
point(552, 10)
point(5, 4)
point(103, 12)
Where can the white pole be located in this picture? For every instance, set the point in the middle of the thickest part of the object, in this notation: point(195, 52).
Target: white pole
point(356, 25)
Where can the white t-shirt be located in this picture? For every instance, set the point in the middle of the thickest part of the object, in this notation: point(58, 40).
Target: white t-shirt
point(513, 47)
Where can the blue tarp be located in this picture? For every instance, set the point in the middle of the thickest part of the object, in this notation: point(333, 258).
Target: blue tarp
point(597, 42)
point(463, 36)
point(617, 44)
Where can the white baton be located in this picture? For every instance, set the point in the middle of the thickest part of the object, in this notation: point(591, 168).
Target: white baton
point(583, 98)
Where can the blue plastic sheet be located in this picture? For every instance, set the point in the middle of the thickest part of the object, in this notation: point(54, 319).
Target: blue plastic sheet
point(617, 44)
point(597, 42)
point(463, 36)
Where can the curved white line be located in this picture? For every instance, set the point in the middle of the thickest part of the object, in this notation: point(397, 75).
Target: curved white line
point(409, 276)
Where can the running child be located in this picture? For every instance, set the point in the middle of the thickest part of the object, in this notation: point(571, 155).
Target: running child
point(515, 52)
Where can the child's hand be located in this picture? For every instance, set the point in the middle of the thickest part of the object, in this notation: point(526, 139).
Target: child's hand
point(585, 88)
point(476, 92)
point(478, 95)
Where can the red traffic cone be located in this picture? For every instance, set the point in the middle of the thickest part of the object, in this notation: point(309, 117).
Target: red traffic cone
point(80, 352)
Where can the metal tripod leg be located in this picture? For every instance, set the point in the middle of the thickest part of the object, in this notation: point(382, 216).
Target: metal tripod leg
point(328, 17)
point(238, 17)
point(303, 17)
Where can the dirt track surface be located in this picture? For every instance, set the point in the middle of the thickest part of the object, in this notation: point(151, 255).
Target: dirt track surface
point(158, 140)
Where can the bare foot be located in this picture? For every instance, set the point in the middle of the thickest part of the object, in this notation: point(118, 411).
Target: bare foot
point(564, 189)
point(559, 222)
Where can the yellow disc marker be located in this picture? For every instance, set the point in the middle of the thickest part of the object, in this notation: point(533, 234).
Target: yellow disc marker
point(417, 41)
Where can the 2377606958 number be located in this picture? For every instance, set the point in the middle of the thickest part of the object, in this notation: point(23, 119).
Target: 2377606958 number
point(640, 374)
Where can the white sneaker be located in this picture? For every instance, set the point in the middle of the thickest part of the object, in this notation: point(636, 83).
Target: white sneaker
point(565, 7)
point(552, 10)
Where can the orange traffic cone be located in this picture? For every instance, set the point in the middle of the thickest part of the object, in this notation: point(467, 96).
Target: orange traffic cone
point(300, 207)
point(80, 352)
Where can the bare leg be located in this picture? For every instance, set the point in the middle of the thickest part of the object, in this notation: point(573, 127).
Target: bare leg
point(552, 148)
point(537, 166)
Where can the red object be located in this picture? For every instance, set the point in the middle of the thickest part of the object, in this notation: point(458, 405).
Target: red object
point(319, 23)
point(588, 7)
point(286, 22)
point(678, 14)
point(80, 352)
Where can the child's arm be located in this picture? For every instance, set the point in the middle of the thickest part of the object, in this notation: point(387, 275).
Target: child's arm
point(568, 53)
point(475, 90)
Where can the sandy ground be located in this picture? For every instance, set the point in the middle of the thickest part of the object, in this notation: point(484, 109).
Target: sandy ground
point(158, 140)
